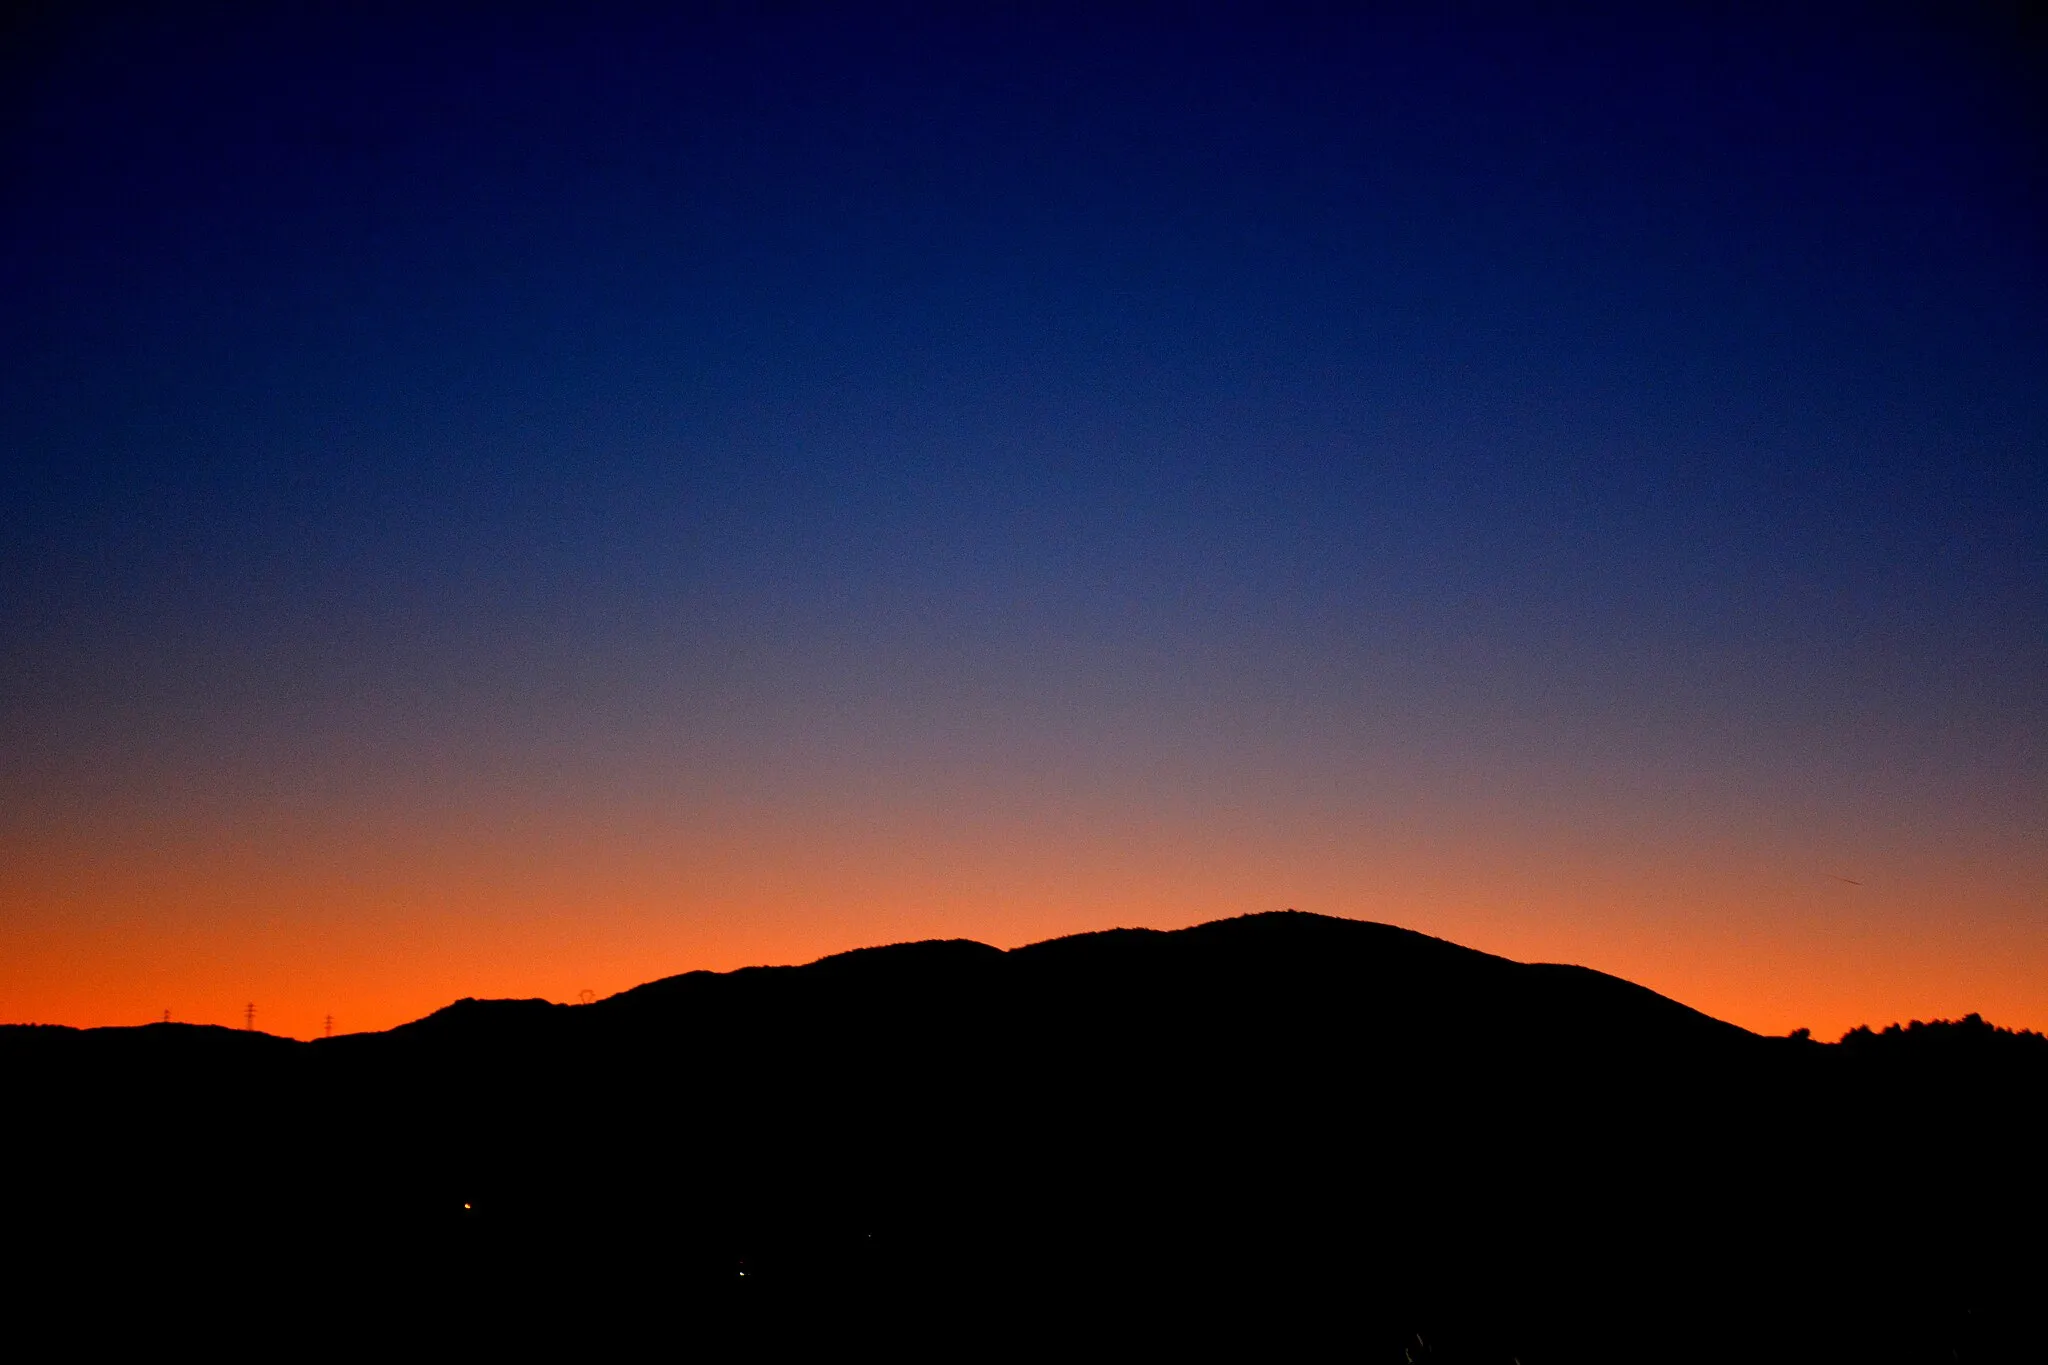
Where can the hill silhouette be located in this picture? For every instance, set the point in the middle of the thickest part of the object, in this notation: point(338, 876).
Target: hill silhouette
point(1283, 1133)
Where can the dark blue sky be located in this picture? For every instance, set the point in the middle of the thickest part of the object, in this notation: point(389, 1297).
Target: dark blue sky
point(947, 392)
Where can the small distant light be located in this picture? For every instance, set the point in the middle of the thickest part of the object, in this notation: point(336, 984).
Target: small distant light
point(465, 1206)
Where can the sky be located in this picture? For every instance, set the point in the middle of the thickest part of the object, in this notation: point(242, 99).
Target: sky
point(525, 500)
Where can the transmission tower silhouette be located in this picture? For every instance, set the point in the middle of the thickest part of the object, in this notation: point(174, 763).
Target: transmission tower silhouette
point(249, 1016)
point(167, 1016)
point(330, 1026)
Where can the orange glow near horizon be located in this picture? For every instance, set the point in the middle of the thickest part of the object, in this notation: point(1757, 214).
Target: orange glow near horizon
point(378, 922)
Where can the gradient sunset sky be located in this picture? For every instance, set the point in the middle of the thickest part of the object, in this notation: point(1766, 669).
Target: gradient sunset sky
point(512, 500)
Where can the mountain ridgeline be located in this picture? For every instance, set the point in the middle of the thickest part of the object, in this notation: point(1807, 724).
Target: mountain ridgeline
point(1288, 1132)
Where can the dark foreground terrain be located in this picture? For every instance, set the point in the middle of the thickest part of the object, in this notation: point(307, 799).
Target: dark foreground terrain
point(1281, 1136)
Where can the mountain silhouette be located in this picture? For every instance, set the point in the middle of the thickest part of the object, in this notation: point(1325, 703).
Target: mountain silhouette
point(1281, 1135)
